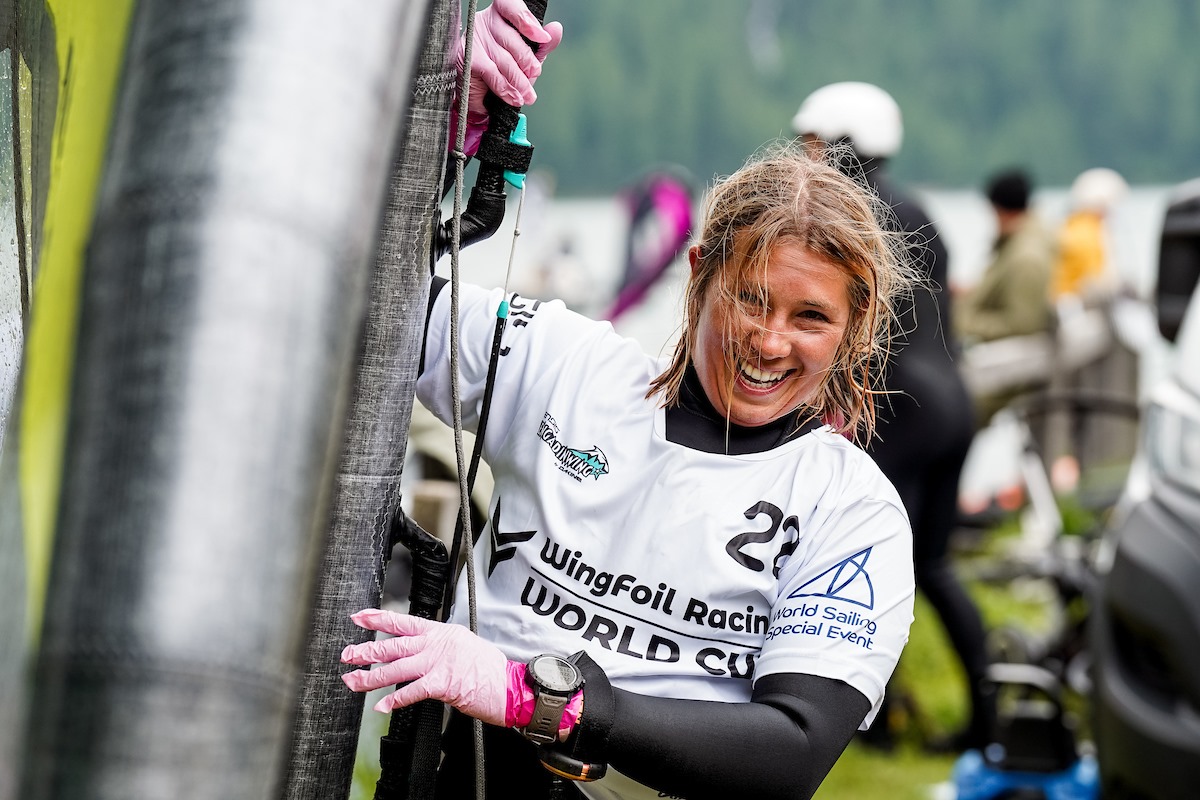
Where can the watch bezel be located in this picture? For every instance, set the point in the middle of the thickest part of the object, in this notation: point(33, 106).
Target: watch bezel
point(538, 683)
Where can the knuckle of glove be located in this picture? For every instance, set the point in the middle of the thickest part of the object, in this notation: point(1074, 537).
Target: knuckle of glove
point(373, 652)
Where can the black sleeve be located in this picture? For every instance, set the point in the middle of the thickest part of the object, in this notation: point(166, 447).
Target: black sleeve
point(781, 744)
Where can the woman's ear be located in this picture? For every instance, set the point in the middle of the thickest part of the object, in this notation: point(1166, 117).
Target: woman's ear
point(694, 257)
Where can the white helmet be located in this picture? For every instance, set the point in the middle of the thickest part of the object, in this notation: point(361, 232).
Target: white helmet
point(1097, 189)
point(860, 112)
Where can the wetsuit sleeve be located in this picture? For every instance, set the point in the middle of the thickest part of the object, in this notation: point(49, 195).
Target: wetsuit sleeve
point(781, 744)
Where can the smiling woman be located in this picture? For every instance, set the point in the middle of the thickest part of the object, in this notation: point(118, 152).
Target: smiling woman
point(731, 576)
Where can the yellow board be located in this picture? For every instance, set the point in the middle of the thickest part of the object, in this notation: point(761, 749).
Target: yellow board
point(90, 39)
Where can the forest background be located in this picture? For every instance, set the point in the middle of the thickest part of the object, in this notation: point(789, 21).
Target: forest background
point(1056, 86)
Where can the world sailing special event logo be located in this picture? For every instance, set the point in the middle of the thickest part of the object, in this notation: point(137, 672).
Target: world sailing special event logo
point(847, 581)
point(825, 613)
point(576, 463)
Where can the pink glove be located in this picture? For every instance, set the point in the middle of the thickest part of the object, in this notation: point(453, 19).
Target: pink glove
point(444, 662)
point(502, 62)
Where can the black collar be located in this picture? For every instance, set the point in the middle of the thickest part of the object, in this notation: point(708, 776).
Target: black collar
point(694, 423)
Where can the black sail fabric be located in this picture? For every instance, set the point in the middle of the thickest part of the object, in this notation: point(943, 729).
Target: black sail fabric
point(366, 495)
point(224, 291)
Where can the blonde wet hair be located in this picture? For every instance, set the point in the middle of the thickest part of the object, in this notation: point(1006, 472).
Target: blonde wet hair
point(788, 193)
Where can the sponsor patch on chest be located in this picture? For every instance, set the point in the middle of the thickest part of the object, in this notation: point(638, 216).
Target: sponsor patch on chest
point(574, 462)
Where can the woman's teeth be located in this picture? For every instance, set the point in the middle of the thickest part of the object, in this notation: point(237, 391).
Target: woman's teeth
point(761, 377)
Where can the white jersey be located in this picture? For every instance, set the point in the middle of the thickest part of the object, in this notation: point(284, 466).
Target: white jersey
point(683, 574)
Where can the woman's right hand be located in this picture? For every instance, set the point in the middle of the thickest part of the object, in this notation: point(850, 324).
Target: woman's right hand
point(429, 660)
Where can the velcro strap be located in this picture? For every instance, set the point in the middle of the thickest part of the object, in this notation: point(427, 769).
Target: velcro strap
point(395, 755)
point(505, 154)
point(589, 740)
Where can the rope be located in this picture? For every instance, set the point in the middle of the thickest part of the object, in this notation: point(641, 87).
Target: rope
point(464, 500)
point(466, 476)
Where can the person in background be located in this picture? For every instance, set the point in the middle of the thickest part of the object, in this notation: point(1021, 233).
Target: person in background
point(688, 582)
point(1013, 296)
point(1084, 283)
point(924, 423)
point(1083, 269)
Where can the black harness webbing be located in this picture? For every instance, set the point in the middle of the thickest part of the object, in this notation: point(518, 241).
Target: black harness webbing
point(409, 753)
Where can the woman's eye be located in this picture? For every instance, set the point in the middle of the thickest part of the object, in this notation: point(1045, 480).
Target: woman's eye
point(813, 315)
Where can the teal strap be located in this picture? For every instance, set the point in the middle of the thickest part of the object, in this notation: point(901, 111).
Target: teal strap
point(517, 179)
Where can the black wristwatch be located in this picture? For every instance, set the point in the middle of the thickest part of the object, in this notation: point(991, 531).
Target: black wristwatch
point(554, 681)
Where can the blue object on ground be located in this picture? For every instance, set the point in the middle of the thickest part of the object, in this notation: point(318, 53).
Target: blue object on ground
point(975, 779)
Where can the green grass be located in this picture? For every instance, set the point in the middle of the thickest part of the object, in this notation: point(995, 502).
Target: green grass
point(865, 774)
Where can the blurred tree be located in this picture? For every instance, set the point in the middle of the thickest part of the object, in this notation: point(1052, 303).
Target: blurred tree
point(1058, 87)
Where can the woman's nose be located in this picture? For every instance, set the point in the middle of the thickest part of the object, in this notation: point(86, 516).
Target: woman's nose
point(773, 343)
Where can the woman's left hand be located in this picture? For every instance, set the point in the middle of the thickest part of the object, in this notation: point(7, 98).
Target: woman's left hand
point(443, 662)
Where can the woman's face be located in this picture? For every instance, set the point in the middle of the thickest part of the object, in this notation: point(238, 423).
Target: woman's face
point(758, 363)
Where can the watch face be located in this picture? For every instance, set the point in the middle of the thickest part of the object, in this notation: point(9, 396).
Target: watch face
point(555, 673)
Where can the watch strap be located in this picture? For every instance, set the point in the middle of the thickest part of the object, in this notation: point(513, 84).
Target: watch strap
point(547, 716)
